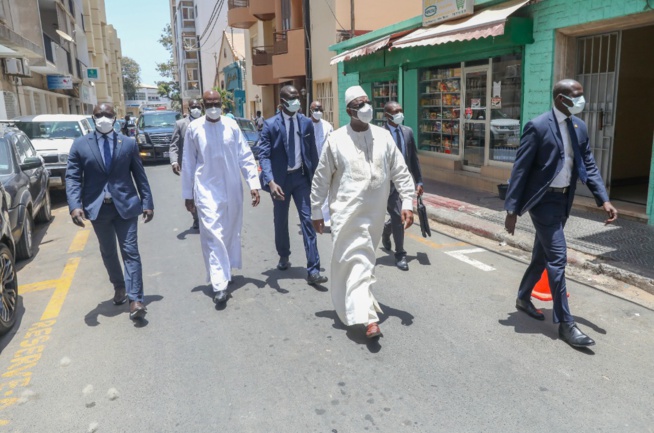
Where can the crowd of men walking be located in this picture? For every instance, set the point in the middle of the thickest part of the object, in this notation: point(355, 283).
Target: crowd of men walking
point(343, 181)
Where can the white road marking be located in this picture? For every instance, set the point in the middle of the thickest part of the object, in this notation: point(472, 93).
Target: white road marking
point(462, 255)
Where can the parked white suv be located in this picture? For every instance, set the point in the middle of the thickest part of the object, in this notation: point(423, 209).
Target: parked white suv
point(52, 136)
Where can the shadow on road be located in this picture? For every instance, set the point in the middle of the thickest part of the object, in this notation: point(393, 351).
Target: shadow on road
point(189, 231)
point(108, 309)
point(292, 273)
point(7, 338)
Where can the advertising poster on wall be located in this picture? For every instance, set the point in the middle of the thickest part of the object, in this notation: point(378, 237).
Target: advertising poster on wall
point(437, 11)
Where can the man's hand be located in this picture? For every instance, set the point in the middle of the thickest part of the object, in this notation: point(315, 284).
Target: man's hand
point(276, 191)
point(255, 197)
point(78, 217)
point(611, 211)
point(419, 190)
point(407, 218)
point(509, 223)
point(176, 168)
point(148, 214)
point(319, 225)
point(190, 205)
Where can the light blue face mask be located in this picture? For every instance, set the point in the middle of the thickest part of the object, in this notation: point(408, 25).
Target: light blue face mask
point(293, 105)
point(578, 104)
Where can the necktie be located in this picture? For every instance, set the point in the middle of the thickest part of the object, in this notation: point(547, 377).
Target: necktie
point(579, 162)
point(398, 141)
point(291, 144)
point(107, 154)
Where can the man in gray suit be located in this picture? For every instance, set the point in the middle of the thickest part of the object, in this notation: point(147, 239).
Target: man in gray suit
point(177, 143)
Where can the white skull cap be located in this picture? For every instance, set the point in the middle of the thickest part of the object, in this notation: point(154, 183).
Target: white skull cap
point(353, 93)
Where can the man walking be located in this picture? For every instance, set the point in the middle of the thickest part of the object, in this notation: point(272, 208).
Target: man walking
point(403, 137)
point(258, 121)
point(288, 159)
point(215, 155)
point(554, 152)
point(176, 150)
point(102, 179)
point(356, 168)
point(321, 129)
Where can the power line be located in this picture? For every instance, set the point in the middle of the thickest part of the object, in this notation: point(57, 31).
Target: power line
point(332, 11)
point(211, 18)
point(221, 3)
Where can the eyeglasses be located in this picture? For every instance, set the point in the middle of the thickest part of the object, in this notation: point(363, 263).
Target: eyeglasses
point(104, 114)
point(213, 104)
point(359, 105)
point(319, 110)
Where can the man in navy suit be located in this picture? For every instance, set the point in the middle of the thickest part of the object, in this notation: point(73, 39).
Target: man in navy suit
point(403, 137)
point(288, 159)
point(554, 152)
point(102, 179)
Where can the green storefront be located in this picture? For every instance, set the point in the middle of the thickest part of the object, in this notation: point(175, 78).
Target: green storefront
point(467, 100)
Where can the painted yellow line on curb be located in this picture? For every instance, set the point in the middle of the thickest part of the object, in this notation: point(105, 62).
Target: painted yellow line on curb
point(36, 287)
point(63, 285)
point(79, 242)
point(434, 244)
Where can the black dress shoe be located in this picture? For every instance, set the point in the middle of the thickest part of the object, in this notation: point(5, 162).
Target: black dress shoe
point(196, 225)
point(569, 333)
point(316, 278)
point(120, 297)
point(137, 310)
point(528, 307)
point(402, 264)
point(386, 243)
point(283, 264)
point(220, 297)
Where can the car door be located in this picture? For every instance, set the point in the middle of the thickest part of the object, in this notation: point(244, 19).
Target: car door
point(36, 176)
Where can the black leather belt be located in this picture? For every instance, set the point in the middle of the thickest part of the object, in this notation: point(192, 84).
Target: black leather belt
point(297, 170)
point(559, 190)
point(107, 200)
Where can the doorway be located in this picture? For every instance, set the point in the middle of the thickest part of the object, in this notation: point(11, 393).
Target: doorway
point(476, 115)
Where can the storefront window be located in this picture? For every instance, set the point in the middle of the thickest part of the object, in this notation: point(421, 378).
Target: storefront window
point(505, 108)
point(382, 92)
point(440, 109)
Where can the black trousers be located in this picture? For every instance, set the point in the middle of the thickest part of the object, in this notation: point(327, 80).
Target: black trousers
point(394, 225)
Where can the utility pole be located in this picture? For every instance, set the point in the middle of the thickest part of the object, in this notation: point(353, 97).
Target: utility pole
point(307, 56)
point(351, 18)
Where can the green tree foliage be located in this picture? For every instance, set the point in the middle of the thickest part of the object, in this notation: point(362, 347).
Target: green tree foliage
point(131, 77)
point(227, 97)
point(170, 86)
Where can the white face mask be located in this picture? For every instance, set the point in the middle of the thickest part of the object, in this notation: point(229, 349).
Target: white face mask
point(316, 115)
point(214, 113)
point(578, 104)
point(196, 112)
point(397, 119)
point(104, 125)
point(364, 113)
point(293, 105)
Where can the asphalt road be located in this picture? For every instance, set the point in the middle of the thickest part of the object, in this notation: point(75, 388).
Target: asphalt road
point(455, 355)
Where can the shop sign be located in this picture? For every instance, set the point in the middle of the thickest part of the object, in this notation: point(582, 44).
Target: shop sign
point(437, 11)
point(233, 79)
point(60, 82)
point(92, 74)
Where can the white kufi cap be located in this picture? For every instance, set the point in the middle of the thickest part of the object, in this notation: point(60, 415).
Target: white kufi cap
point(353, 93)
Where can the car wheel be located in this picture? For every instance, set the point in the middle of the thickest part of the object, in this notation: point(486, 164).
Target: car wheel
point(8, 290)
point(45, 213)
point(24, 246)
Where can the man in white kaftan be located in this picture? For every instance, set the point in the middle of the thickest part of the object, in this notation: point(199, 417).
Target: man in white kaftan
point(321, 129)
point(355, 171)
point(215, 155)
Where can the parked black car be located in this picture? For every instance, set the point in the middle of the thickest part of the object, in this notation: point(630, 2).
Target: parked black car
point(249, 130)
point(154, 130)
point(25, 181)
point(8, 279)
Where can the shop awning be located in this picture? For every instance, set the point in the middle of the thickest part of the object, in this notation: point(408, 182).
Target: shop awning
point(363, 50)
point(485, 23)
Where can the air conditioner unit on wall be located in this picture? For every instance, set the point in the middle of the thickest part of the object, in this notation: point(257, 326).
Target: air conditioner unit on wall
point(13, 67)
point(27, 72)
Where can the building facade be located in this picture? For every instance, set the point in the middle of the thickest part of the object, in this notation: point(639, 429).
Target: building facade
point(146, 98)
point(47, 47)
point(468, 86)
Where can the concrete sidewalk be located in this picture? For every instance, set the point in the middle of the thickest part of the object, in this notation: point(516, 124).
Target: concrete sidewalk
point(624, 250)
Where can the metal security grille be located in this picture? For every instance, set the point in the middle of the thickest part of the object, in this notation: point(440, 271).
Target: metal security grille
point(11, 105)
point(325, 96)
point(598, 63)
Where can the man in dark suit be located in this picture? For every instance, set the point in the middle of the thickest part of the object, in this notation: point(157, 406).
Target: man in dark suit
point(288, 159)
point(176, 150)
point(554, 152)
point(403, 136)
point(102, 179)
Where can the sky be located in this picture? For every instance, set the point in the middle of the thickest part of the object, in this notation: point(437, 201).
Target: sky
point(139, 24)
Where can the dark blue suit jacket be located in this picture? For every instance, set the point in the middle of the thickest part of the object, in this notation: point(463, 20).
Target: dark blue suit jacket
point(411, 158)
point(86, 177)
point(273, 145)
point(539, 160)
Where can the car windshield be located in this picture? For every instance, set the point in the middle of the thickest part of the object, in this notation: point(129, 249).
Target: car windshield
point(246, 125)
point(51, 130)
point(159, 120)
point(6, 160)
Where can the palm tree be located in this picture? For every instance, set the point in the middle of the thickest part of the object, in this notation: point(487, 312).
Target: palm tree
point(227, 98)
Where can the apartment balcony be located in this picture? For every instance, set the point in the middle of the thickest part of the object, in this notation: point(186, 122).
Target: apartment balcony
point(262, 9)
point(238, 14)
point(57, 61)
point(262, 68)
point(289, 54)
